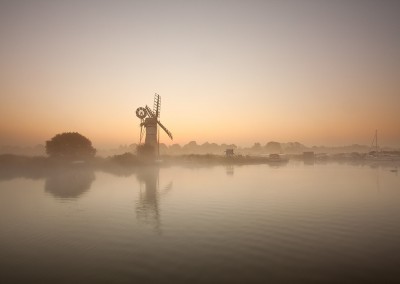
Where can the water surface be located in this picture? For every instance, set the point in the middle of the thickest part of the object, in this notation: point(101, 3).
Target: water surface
point(296, 223)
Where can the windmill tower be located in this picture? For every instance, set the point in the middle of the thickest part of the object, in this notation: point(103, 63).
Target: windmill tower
point(149, 119)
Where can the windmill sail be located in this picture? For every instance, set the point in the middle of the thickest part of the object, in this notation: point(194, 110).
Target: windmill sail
point(152, 114)
point(165, 129)
point(157, 105)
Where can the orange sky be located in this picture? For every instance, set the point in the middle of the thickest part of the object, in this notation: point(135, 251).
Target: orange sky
point(227, 71)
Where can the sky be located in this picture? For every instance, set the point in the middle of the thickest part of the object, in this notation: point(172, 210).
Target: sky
point(318, 72)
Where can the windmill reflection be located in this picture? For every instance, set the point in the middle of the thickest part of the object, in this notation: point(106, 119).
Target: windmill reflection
point(147, 206)
point(230, 170)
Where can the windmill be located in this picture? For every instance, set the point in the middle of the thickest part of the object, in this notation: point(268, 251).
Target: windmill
point(149, 119)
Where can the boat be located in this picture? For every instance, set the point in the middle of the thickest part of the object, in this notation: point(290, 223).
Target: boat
point(379, 155)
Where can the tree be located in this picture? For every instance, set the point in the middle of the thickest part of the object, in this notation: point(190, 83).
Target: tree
point(175, 149)
point(70, 145)
point(256, 148)
point(273, 147)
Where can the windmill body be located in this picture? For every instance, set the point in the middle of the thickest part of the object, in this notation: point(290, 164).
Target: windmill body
point(150, 125)
point(150, 122)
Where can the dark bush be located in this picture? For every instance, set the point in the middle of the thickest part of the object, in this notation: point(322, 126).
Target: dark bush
point(145, 150)
point(70, 145)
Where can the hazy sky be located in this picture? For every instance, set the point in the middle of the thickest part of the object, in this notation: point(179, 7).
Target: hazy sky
point(318, 72)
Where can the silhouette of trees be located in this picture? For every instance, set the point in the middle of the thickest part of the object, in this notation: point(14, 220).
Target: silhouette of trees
point(175, 148)
point(146, 150)
point(273, 147)
point(70, 145)
point(256, 148)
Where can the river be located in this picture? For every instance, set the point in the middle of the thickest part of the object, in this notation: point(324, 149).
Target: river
point(295, 223)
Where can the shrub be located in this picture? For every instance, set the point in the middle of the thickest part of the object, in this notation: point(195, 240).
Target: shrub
point(70, 145)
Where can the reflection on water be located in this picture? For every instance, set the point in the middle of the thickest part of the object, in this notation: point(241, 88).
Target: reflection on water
point(147, 206)
point(290, 223)
point(230, 170)
point(69, 183)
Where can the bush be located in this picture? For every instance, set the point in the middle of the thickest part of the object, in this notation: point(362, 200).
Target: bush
point(70, 145)
point(146, 150)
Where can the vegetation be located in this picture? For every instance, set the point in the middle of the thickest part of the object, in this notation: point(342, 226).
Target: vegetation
point(70, 145)
point(145, 150)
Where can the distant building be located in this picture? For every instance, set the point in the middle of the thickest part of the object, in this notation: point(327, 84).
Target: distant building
point(229, 153)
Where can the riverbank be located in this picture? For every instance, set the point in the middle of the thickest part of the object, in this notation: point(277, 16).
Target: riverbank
point(35, 166)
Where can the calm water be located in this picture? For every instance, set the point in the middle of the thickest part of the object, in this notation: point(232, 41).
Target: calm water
point(296, 223)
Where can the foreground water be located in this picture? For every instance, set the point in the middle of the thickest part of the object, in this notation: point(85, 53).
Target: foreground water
point(246, 224)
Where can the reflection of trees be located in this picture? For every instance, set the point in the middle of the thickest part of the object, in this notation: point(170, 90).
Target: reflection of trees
point(63, 179)
point(69, 182)
point(13, 166)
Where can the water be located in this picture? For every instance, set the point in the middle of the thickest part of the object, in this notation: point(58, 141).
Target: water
point(331, 223)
